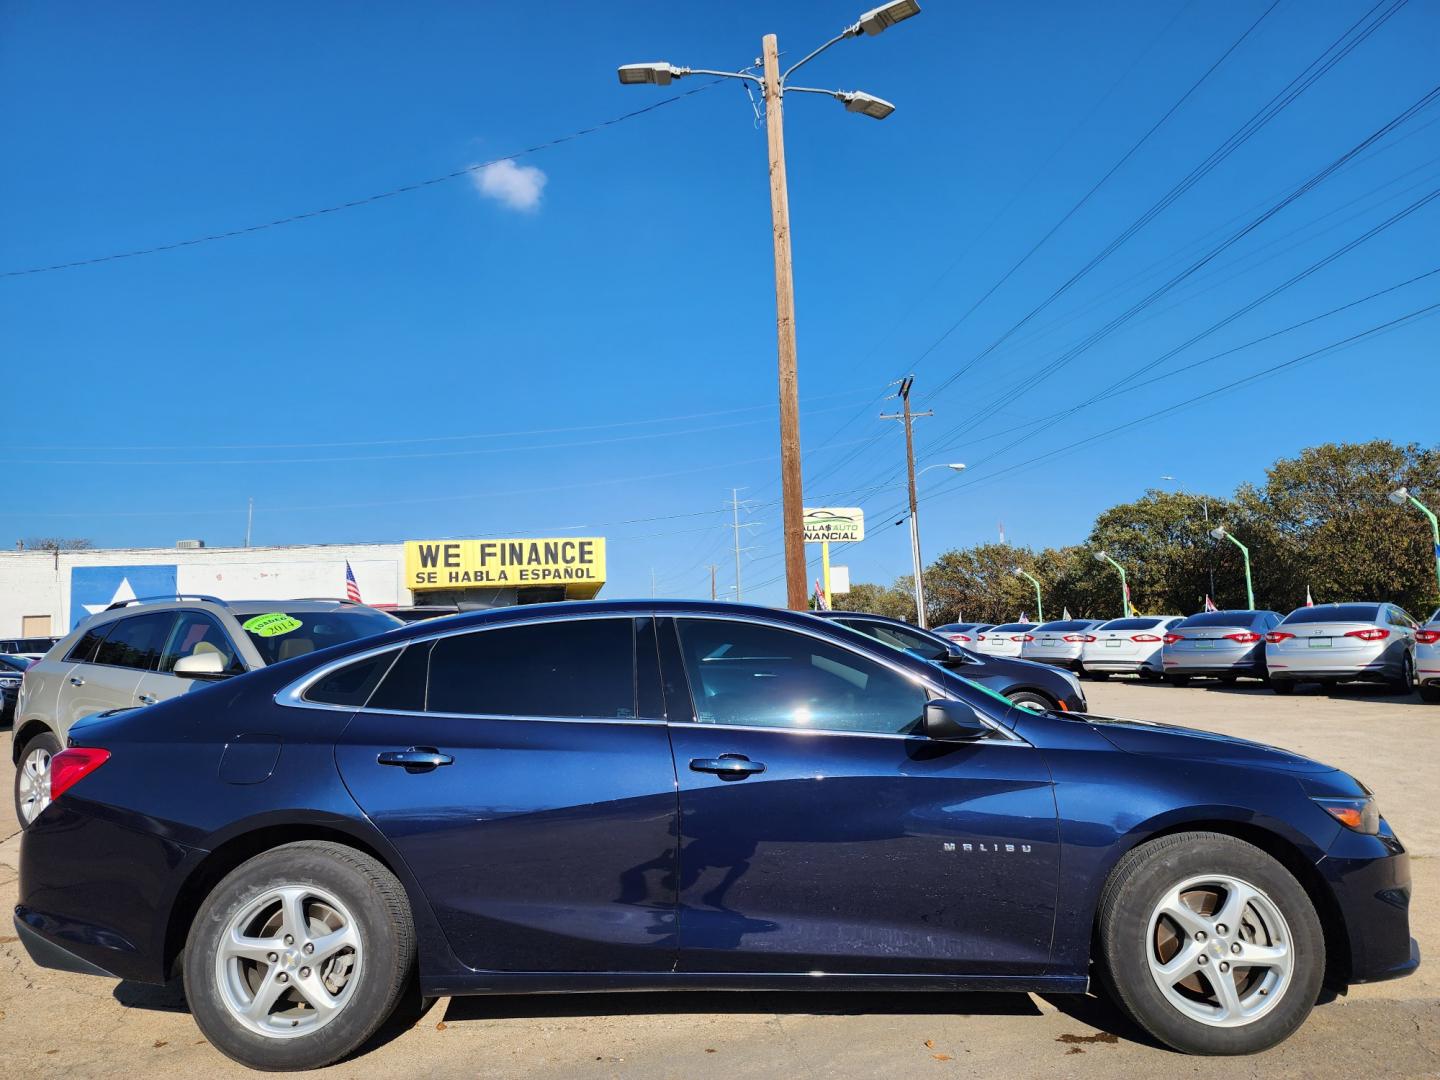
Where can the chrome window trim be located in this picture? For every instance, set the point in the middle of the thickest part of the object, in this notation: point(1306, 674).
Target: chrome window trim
point(292, 696)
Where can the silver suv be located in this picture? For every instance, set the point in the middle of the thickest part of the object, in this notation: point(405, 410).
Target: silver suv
point(138, 652)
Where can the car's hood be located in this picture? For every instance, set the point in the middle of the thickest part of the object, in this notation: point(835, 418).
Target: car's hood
point(1165, 740)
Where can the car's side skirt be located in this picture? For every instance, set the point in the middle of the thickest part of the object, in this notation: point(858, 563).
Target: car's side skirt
point(568, 982)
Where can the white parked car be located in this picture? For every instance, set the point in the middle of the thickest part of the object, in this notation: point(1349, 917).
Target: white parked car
point(1059, 642)
point(1332, 643)
point(1003, 640)
point(1427, 659)
point(1130, 646)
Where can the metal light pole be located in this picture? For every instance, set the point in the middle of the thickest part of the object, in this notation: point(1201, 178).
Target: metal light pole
point(1400, 496)
point(774, 88)
point(1039, 604)
point(916, 561)
point(1125, 609)
point(1220, 533)
point(1204, 509)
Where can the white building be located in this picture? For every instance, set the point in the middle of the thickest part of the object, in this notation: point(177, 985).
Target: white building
point(45, 593)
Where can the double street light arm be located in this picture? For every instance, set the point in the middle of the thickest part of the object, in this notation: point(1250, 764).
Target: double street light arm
point(1221, 533)
point(1125, 609)
point(1039, 603)
point(1400, 496)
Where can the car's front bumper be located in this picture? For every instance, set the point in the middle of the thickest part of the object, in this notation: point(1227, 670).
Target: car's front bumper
point(1370, 879)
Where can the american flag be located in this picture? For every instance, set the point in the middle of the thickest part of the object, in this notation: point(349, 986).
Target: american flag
point(352, 588)
point(1210, 604)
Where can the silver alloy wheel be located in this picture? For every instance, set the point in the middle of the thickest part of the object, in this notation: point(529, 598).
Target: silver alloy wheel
point(34, 781)
point(1219, 950)
point(289, 961)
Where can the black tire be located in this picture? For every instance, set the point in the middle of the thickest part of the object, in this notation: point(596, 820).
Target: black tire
point(1098, 676)
point(1033, 699)
point(381, 912)
point(1178, 680)
point(1147, 675)
point(1229, 680)
point(1430, 694)
point(1132, 892)
point(1282, 686)
point(1405, 684)
point(47, 741)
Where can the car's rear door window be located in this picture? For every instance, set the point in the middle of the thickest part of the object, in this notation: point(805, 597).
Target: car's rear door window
point(751, 674)
point(83, 651)
point(136, 642)
point(566, 668)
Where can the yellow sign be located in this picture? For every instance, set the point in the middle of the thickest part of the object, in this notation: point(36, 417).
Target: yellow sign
point(473, 564)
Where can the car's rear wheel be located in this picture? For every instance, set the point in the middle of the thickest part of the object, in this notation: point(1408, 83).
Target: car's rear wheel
point(1283, 686)
point(1405, 683)
point(32, 777)
point(1430, 694)
point(1210, 944)
point(1033, 699)
point(1098, 676)
point(298, 956)
point(1178, 680)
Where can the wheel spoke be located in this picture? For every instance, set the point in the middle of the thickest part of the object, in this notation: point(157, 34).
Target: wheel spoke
point(1226, 994)
point(1275, 957)
point(1237, 897)
point(327, 945)
point(313, 991)
point(1188, 919)
point(241, 947)
point(292, 914)
point(1180, 966)
point(265, 997)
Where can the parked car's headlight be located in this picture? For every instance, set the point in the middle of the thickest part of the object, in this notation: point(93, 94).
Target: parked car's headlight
point(1361, 814)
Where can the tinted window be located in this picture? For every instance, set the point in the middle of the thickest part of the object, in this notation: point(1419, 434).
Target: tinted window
point(1435, 617)
point(1131, 624)
point(1335, 613)
point(749, 674)
point(283, 635)
point(898, 637)
point(1067, 624)
point(136, 642)
point(1221, 618)
point(352, 684)
point(404, 687)
point(957, 627)
point(83, 651)
point(13, 663)
point(569, 668)
point(196, 633)
point(1013, 628)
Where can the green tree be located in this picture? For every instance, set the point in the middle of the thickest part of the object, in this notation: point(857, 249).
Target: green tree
point(979, 584)
point(889, 600)
point(1163, 541)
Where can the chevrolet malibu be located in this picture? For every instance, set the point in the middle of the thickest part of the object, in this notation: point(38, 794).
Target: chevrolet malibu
point(662, 795)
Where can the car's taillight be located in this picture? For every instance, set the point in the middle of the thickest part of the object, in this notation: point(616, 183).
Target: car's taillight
point(1245, 637)
point(1427, 637)
point(1370, 633)
point(1144, 637)
point(1079, 637)
point(69, 767)
point(1024, 637)
point(958, 637)
point(979, 637)
point(1275, 637)
point(1170, 639)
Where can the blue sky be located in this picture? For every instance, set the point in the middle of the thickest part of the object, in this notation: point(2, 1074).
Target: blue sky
point(591, 349)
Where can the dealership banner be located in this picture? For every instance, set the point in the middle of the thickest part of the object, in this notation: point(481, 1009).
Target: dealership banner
point(832, 524)
point(463, 564)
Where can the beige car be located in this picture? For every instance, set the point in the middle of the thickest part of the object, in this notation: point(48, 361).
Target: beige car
point(139, 652)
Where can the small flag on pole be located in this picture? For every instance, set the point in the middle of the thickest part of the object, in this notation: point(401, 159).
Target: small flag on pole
point(820, 604)
point(1210, 604)
point(1129, 607)
point(1065, 614)
point(352, 587)
point(1024, 617)
point(1308, 601)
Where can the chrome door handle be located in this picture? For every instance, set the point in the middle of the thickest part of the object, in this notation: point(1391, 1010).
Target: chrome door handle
point(417, 757)
point(146, 699)
point(76, 680)
point(728, 766)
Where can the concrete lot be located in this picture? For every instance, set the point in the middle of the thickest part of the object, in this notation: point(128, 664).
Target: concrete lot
point(53, 1024)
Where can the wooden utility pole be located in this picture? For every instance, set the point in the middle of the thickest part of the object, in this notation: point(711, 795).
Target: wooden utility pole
point(792, 499)
point(917, 563)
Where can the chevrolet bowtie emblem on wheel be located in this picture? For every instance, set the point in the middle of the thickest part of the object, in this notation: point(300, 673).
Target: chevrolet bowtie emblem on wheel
point(989, 848)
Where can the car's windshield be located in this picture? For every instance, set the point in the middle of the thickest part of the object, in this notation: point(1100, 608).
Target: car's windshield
point(283, 635)
point(1013, 628)
point(1221, 618)
point(1334, 613)
point(1131, 624)
point(1065, 624)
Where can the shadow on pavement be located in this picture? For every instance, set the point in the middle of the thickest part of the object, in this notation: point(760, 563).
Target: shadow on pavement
point(1098, 1011)
point(167, 998)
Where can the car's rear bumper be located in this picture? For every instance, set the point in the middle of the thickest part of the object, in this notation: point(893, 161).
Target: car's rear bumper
point(47, 951)
point(1053, 659)
point(1122, 665)
point(1370, 878)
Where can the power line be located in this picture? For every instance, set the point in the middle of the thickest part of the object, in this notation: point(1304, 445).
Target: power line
point(367, 200)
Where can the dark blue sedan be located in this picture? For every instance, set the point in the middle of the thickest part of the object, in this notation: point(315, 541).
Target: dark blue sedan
point(668, 795)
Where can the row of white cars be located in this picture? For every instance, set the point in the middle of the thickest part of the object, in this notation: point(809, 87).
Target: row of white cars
point(1324, 643)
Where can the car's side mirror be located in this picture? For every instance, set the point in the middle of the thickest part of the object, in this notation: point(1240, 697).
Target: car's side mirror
point(205, 665)
point(954, 720)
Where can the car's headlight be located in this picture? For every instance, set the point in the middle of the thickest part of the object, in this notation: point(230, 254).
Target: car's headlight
point(1361, 814)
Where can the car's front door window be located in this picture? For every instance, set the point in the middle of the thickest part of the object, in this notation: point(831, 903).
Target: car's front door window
point(751, 674)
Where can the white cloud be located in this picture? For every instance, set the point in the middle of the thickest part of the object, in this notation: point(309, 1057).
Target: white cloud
point(515, 186)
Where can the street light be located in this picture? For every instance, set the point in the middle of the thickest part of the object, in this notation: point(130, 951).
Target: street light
point(773, 84)
point(1400, 496)
point(1125, 609)
point(917, 562)
point(1220, 533)
point(1039, 604)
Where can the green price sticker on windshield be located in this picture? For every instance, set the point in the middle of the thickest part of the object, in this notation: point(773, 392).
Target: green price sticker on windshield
point(272, 624)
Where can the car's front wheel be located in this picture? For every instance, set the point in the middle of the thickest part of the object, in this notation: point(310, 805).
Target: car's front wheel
point(1210, 944)
point(1033, 700)
point(32, 777)
point(298, 956)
